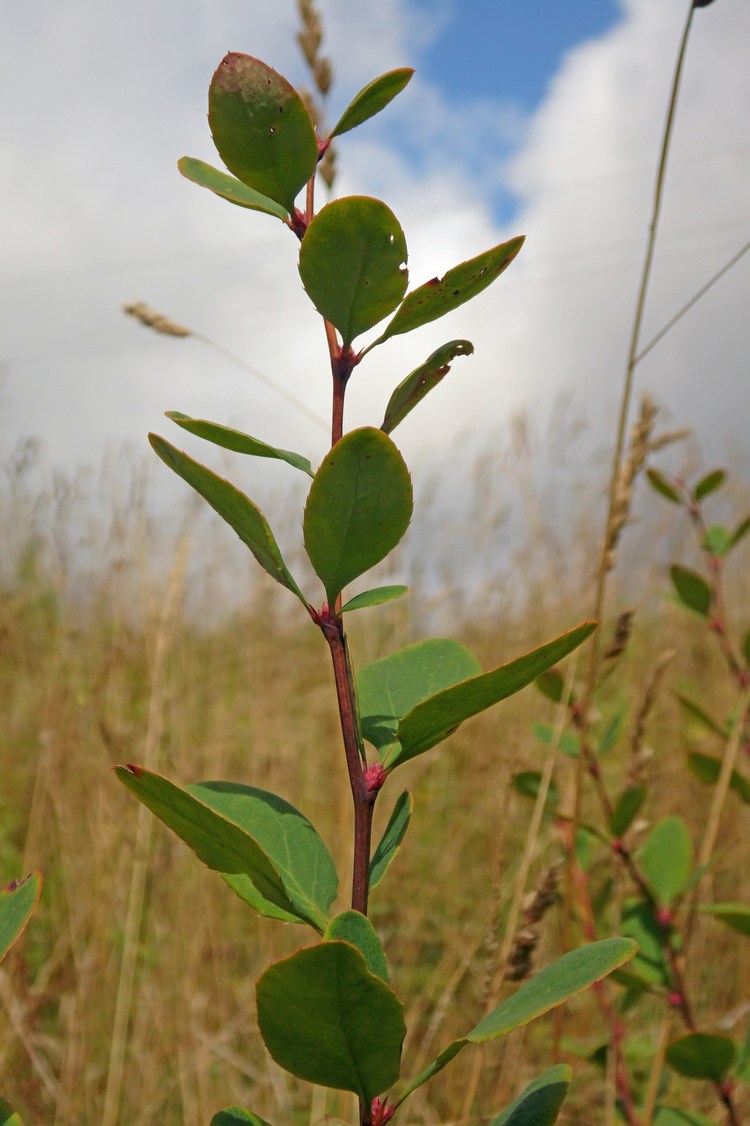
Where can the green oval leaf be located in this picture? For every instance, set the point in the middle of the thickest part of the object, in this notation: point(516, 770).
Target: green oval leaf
point(693, 590)
point(435, 718)
point(221, 844)
point(638, 922)
point(235, 440)
point(290, 841)
point(391, 840)
point(358, 509)
point(708, 769)
point(375, 597)
point(371, 99)
point(527, 783)
point(17, 902)
point(540, 1102)
point(718, 541)
point(421, 381)
point(709, 484)
point(661, 485)
point(352, 927)
point(704, 719)
point(741, 531)
point(701, 1056)
point(206, 176)
point(442, 295)
point(235, 1116)
point(672, 1116)
point(552, 685)
point(389, 688)
point(569, 975)
point(352, 263)
point(261, 128)
point(325, 1018)
point(233, 506)
point(734, 915)
point(667, 859)
point(627, 809)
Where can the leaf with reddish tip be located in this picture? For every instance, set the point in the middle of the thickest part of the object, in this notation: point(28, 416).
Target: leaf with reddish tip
point(353, 264)
point(17, 901)
point(371, 99)
point(442, 295)
point(276, 879)
point(421, 381)
point(235, 440)
point(261, 128)
point(206, 176)
point(233, 506)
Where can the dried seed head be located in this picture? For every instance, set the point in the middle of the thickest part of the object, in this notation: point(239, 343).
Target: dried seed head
point(620, 640)
point(157, 321)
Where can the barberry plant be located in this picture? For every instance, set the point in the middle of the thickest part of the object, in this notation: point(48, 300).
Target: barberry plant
point(329, 1013)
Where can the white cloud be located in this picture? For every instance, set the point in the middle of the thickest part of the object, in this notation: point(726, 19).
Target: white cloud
point(95, 215)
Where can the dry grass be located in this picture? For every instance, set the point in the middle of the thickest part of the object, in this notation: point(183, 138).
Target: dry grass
point(115, 669)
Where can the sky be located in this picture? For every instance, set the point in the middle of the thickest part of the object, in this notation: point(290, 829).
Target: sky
point(542, 119)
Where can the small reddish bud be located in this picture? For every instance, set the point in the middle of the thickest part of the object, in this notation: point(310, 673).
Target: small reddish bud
point(744, 678)
point(618, 846)
point(665, 918)
point(675, 1000)
point(716, 626)
point(375, 775)
point(137, 771)
point(381, 1112)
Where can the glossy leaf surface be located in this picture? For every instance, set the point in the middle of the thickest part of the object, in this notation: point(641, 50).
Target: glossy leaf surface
point(218, 842)
point(540, 1103)
point(358, 508)
point(296, 851)
point(235, 440)
point(371, 99)
point(233, 506)
point(692, 589)
point(392, 837)
point(325, 1018)
point(569, 975)
point(434, 719)
point(667, 859)
point(421, 381)
point(392, 686)
point(442, 295)
point(353, 264)
point(17, 901)
point(356, 929)
point(236, 1116)
point(261, 128)
point(228, 187)
point(702, 1056)
point(375, 597)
